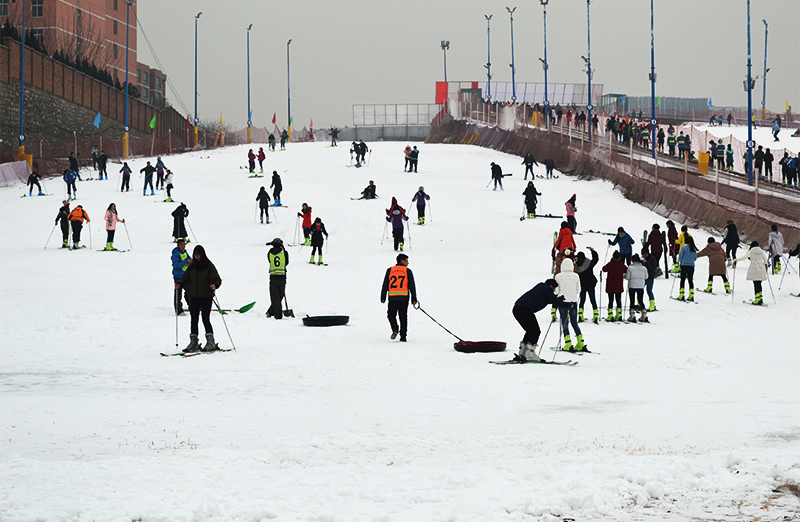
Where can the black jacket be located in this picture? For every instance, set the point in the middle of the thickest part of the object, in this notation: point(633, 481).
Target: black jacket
point(731, 235)
point(497, 172)
point(63, 214)
point(530, 194)
point(148, 171)
point(585, 271)
point(276, 181)
point(73, 164)
point(102, 159)
point(317, 233)
point(538, 297)
point(263, 199)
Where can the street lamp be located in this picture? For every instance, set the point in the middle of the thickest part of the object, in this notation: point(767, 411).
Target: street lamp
point(544, 65)
point(513, 70)
point(196, 120)
point(652, 83)
point(764, 89)
point(126, 129)
point(249, 111)
point(588, 61)
point(445, 47)
point(750, 82)
point(288, 88)
point(488, 58)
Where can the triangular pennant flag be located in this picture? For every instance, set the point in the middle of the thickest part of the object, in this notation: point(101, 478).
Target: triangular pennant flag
point(623, 99)
point(291, 120)
point(311, 125)
point(153, 122)
point(187, 122)
point(220, 118)
point(710, 105)
point(250, 116)
point(658, 101)
point(97, 119)
point(788, 107)
point(274, 118)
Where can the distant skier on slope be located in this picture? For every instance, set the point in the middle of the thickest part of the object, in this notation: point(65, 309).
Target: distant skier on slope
point(616, 270)
point(569, 287)
point(585, 270)
point(420, 197)
point(317, 231)
point(263, 204)
point(178, 228)
point(369, 191)
point(497, 175)
point(716, 264)
point(276, 187)
point(305, 214)
point(396, 215)
point(530, 194)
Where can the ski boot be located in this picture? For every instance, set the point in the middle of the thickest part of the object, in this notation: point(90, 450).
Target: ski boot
point(643, 318)
point(41, 193)
point(652, 307)
point(610, 317)
point(194, 346)
point(401, 247)
point(307, 242)
point(618, 316)
point(527, 353)
point(691, 295)
point(727, 288)
point(76, 246)
point(311, 261)
point(708, 288)
point(261, 171)
point(681, 297)
point(394, 334)
point(759, 299)
point(144, 192)
point(169, 199)
point(568, 347)
point(65, 244)
point(262, 220)
point(210, 344)
point(580, 315)
point(319, 259)
point(777, 268)
point(581, 346)
point(109, 246)
point(553, 314)
point(631, 317)
point(152, 192)
point(596, 316)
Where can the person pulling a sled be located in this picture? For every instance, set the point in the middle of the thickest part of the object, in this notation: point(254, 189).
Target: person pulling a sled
point(399, 284)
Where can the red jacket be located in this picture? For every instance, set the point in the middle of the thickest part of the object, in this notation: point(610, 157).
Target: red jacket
point(261, 155)
point(565, 240)
point(616, 272)
point(306, 217)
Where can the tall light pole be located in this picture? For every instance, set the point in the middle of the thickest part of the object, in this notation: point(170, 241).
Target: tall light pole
point(513, 69)
point(196, 119)
point(249, 111)
point(749, 88)
point(652, 83)
point(289, 88)
point(21, 149)
point(588, 60)
point(127, 128)
point(445, 47)
point(764, 89)
point(488, 57)
point(544, 65)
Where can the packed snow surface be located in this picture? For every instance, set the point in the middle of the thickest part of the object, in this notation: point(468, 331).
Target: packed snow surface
point(691, 417)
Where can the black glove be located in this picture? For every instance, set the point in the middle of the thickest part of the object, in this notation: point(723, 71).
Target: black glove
point(609, 241)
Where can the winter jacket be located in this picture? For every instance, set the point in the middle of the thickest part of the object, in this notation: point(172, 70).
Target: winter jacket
point(530, 195)
point(261, 155)
point(79, 215)
point(201, 279)
point(63, 214)
point(758, 264)
point(716, 258)
point(397, 217)
point(148, 171)
point(775, 240)
point(569, 283)
point(306, 215)
point(625, 242)
point(655, 241)
point(407, 152)
point(369, 192)
point(317, 231)
point(276, 181)
point(420, 198)
point(585, 272)
point(497, 172)
point(73, 164)
point(263, 199)
point(180, 262)
point(637, 274)
point(69, 177)
point(616, 273)
point(126, 171)
point(111, 220)
point(730, 236)
point(169, 177)
point(570, 208)
point(400, 290)
point(652, 266)
point(564, 240)
point(102, 159)
point(179, 214)
point(682, 240)
point(687, 257)
point(538, 297)
point(160, 166)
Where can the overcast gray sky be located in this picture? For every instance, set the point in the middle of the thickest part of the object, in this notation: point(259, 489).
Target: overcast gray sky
point(352, 52)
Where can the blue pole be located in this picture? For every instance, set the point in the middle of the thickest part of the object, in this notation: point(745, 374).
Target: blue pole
point(546, 101)
point(513, 69)
point(764, 89)
point(749, 106)
point(196, 121)
point(127, 47)
point(488, 58)
point(22, 82)
point(589, 67)
point(248, 75)
point(652, 83)
point(288, 85)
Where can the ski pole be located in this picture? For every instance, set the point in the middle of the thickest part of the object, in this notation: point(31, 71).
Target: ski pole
point(430, 212)
point(383, 234)
point(190, 230)
point(51, 235)
point(733, 278)
point(274, 215)
point(90, 235)
point(296, 225)
point(176, 321)
point(370, 157)
point(129, 236)
point(544, 339)
point(225, 323)
point(672, 288)
point(255, 215)
point(45, 187)
point(770, 289)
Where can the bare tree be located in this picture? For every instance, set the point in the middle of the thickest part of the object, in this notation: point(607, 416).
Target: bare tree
point(83, 44)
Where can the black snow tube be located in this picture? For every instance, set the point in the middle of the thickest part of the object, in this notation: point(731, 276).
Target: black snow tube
point(479, 346)
point(326, 320)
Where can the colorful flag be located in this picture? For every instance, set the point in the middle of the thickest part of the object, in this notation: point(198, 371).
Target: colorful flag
point(658, 101)
point(788, 107)
point(97, 119)
point(291, 120)
point(153, 122)
point(274, 117)
point(710, 105)
point(220, 119)
point(311, 125)
point(250, 116)
point(187, 122)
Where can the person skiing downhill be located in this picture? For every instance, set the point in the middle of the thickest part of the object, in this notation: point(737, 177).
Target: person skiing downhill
point(497, 175)
point(178, 228)
point(276, 187)
point(524, 310)
point(530, 194)
point(69, 178)
point(305, 214)
point(399, 284)
point(396, 215)
point(716, 264)
point(263, 204)
point(278, 259)
point(757, 272)
point(203, 280)
point(271, 142)
point(686, 259)
point(420, 197)
point(776, 128)
point(63, 218)
point(148, 178)
point(571, 209)
point(775, 242)
point(76, 219)
point(585, 270)
point(616, 270)
point(126, 177)
point(317, 231)
point(180, 262)
point(284, 139)
point(33, 179)
point(111, 219)
point(160, 168)
point(569, 288)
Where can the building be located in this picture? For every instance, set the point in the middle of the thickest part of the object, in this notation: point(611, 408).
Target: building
point(152, 85)
point(93, 30)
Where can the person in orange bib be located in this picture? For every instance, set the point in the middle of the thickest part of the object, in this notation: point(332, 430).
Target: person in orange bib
point(76, 219)
point(399, 284)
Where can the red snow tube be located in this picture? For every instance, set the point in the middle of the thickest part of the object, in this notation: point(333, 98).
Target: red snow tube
point(479, 346)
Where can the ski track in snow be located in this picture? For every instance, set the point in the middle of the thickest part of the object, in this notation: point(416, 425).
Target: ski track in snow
point(692, 417)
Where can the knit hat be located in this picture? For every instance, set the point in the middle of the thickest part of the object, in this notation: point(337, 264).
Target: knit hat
point(276, 242)
point(65, 202)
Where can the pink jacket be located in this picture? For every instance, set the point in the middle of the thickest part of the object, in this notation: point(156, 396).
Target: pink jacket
point(111, 220)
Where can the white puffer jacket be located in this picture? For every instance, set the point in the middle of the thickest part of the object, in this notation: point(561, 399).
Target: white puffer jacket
point(637, 274)
point(758, 264)
point(569, 283)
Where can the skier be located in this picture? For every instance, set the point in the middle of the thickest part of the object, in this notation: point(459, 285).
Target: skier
point(398, 283)
point(69, 178)
point(203, 280)
point(672, 241)
point(284, 139)
point(334, 136)
point(63, 218)
point(686, 259)
point(369, 191)
point(716, 264)
point(126, 177)
point(278, 259)
point(730, 238)
point(637, 278)
point(354, 147)
point(530, 194)
point(776, 128)
point(730, 118)
point(95, 155)
point(169, 178)
point(305, 213)
point(271, 141)
point(529, 162)
point(263, 203)
point(565, 241)
point(251, 161)
point(148, 179)
point(655, 242)
point(33, 179)
point(73, 166)
point(76, 218)
point(650, 262)
point(261, 157)
point(111, 220)
point(569, 288)
point(571, 209)
point(278, 187)
point(775, 242)
point(317, 231)
point(396, 215)
point(414, 159)
point(407, 153)
point(180, 262)
point(614, 287)
point(757, 271)
point(102, 162)
point(524, 311)
point(420, 197)
point(160, 168)
point(585, 270)
point(178, 228)
point(758, 155)
point(625, 242)
point(497, 175)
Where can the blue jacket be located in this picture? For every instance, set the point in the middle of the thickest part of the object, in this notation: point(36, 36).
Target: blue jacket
point(69, 176)
point(538, 297)
point(686, 257)
point(625, 242)
point(180, 261)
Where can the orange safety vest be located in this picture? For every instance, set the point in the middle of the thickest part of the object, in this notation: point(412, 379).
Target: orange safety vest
point(398, 280)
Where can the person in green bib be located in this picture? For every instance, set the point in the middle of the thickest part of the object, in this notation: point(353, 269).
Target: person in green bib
point(278, 259)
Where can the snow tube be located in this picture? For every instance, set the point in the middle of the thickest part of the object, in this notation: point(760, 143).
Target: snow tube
point(479, 346)
point(326, 320)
